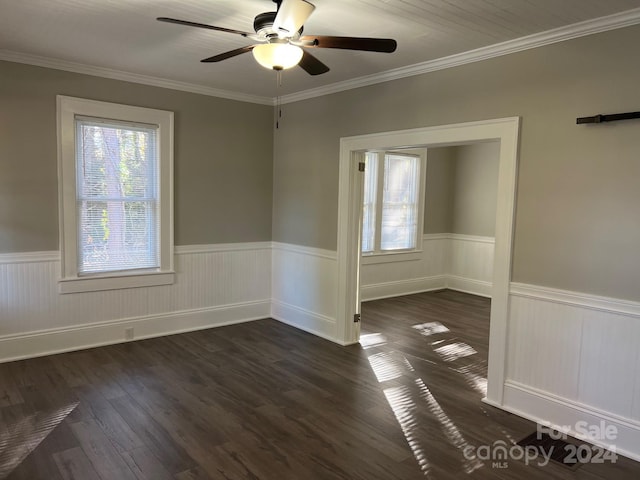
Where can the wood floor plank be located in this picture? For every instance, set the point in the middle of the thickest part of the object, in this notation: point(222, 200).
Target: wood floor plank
point(9, 392)
point(145, 465)
point(253, 457)
point(109, 421)
point(102, 379)
point(158, 440)
point(73, 464)
point(66, 366)
point(103, 455)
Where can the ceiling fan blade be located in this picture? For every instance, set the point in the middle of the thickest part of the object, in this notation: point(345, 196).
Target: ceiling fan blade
point(202, 25)
point(230, 54)
point(386, 45)
point(291, 15)
point(312, 65)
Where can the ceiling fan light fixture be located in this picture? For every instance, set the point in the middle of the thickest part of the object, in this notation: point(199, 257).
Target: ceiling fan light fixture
point(277, 56)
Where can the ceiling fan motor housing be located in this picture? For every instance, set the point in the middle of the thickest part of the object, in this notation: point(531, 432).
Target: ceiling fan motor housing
point(263, 25)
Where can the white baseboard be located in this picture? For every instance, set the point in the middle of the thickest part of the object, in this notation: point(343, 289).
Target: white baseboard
point(47, 342)
point(303, 319)
point(425, 284)
point(545, 408)
point(469, 285)
point(402, 287)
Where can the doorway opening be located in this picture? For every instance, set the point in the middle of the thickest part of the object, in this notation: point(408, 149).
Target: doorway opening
point(352, 152)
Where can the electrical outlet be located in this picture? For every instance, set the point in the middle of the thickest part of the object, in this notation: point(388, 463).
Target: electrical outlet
point(128, 333)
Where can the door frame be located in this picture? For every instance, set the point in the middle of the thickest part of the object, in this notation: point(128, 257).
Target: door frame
point(504, 130)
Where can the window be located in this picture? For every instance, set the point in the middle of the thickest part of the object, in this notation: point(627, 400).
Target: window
point(116, 195)
point(393, 202)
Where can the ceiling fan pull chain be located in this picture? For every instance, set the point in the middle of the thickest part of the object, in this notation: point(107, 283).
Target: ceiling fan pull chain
point(278, 112)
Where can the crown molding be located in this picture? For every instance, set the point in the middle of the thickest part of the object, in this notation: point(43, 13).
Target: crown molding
point(548, 37)
point(58, 64)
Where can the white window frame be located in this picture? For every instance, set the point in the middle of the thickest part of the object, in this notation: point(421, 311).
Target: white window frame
point(71, 282)
point(409, 254)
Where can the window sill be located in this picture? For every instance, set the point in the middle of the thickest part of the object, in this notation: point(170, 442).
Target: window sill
point(115, 282)
point(405, 256)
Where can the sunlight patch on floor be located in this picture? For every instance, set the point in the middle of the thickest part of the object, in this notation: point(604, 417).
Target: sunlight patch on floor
point(430, 328)
point(449, 428)
point(403, 407)
point(20, 439)
point(372, 340)
point(474, 380)
point(455, 351)
point(389, 365)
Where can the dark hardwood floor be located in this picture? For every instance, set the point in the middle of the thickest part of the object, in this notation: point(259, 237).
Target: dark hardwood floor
point(263, 400)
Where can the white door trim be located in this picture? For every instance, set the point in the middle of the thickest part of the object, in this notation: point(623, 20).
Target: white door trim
point(505, 130)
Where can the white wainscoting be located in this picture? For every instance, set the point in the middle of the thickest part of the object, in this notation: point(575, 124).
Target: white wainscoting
point(458, 262)
point(574, 357)
point(470, 266)
point(215, 285)
point(304, 288)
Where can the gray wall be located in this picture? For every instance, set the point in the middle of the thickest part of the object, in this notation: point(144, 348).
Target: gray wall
point(577, 224)
point(461, 191)
point(476, 189)
point(439, 191)
point(223, 158)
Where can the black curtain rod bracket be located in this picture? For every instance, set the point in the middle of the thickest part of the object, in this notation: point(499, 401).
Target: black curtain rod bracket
point(608, 118)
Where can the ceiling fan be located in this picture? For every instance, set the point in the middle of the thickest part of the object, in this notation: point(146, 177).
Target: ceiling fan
point(280, 43)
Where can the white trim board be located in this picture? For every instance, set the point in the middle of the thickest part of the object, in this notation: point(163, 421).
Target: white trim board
point(458, 236)
point(587, 368)
point(471, 238)
point(561, 34)
point(54, 255)
point(67, 339)
point(399, 288)
point(469, 285)
point(302, 293)
point(544, 408)
point(314, 252)
point(221, 247)
point(378, 291)
point(506, 130)
point(29, 257)
point(303, 319)
point(593, 302)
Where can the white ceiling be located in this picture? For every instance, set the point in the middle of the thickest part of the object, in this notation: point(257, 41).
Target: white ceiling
point(124, 35)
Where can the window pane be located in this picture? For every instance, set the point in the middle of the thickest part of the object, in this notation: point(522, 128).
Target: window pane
point(117, 204)
point(369, 203)
point(400, 202)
